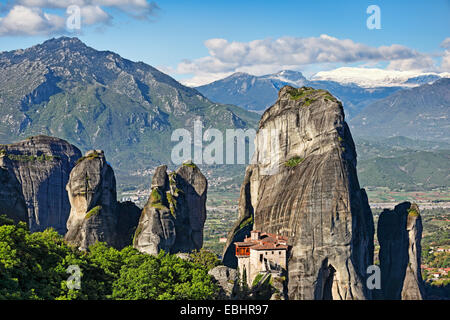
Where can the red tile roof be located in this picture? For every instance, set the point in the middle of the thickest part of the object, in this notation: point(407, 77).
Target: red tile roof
point(265, 241)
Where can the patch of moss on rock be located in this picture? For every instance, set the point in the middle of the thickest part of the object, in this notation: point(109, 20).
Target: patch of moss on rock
point(155, 196)
point(293, 162)
point(172, 202)
point(412, 212)
point(308, 102)
point(246, 222)
point(177, 191)
point(28, 158)
point(93, 155)
point(93, 212)
point(190, 164)
point(159, 206)
point(296, 94)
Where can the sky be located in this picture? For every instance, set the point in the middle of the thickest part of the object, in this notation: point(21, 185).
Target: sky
point(200, 41)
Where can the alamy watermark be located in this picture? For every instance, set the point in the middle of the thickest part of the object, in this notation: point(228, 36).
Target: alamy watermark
point(74, 280)
point(236, 146)
point(374, 280)
point(73, 21)
point(374, 20)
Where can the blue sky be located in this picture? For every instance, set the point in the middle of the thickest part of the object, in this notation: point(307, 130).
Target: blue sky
point(173, 37)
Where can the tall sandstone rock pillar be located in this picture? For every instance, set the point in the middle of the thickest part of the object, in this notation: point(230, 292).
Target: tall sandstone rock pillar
point(175, 214)
point(399, 234)
point(309, 192)
point(95, 214)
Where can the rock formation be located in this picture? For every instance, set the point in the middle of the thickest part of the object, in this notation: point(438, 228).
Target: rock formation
point(227, 280)
point(95, 214)
point(12, 203)
point(303, 184)
point(175, 214)
point(39, 167)
point(399, 234)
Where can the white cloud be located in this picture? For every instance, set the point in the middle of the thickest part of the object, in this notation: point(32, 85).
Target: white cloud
point(21, 20)
point(446, 43)
point(94, 14)
point(27, 17)
point(141, 9)
point(445, 64)
point(271, 55)
point(420, 63)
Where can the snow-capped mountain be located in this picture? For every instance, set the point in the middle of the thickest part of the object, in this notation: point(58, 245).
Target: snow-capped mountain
point(374, 77)
point(294, 78)
point(256, 93)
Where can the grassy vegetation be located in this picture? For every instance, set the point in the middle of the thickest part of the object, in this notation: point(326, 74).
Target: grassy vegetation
point(327, 97)
point(304, 92)
point(246, 222)
point(155, 196)
point(94, 155)
point(159, 206)
point(27, 158)
point(308, 101)
point(412, 212)
point(296, 94)
point(190, 164)
point(293, 162)
point(93, 212)
point(257, 279)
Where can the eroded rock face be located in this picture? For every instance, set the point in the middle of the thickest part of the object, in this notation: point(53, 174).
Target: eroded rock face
point(308, 190)
point(399, 234)
point(227, 280)
point(243, 226)
point(12, 203)
point(175, 214)
point(40, 166)
point(95, 213)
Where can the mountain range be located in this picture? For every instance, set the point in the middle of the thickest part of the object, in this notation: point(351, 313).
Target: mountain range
point(257, 93)
point(418, 113)
point(94, 98)
point(374, 77)
point(422, 101)
point(97, 99)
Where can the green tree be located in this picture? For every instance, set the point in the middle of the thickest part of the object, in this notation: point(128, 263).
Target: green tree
point(205, 258)
point(165, 277)
point(34, 266)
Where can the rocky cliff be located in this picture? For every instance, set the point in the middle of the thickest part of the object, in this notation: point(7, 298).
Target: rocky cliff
point(34, 173)
point(303, 184)
point(95, 213)
point(12, 203)
point(175, 214)
point(399, 234)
